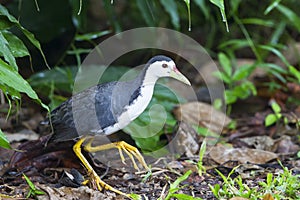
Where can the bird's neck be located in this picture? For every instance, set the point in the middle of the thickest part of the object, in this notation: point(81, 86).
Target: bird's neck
point(146, 78)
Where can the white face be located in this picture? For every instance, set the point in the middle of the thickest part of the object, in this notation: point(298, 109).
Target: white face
point(162, 68)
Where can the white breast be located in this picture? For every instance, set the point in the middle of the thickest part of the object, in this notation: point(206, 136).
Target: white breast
point(134, 110)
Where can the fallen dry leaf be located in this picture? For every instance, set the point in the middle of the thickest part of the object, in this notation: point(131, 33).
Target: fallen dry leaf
point(286, 145)
point(268, 197)
point(66, 193)
point(238, 198)
point(186, 140)
point(203, 114)
point(222, 154)
point(259, 142)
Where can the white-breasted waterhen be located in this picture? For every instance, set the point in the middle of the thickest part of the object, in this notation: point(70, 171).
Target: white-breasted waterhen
point(116, 104)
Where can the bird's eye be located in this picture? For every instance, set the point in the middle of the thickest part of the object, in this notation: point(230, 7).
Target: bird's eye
point(164, 65)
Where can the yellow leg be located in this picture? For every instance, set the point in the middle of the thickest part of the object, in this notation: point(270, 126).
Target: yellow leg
point(130, 150)
point(93, 175)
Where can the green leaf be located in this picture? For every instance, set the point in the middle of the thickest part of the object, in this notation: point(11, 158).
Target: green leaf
point(293, 17)
point(275, 107)
point(273, 67)
point(270, 119)
point(276, 52)
point(29, 182)
point(275, 70)
point(29, 35)
point(225, 63)
point(234, 44)
point(242, 72)
point(4, 12)
point(13, 79)
point(185, 197)
point(62, 78)
point(33, 191)
point(273, 5)
point(220, 5)
point(171, 7)
point(258, 21)
point(202, 150)
point(230, 97)
point(176, 183)
point(188, 6)
point(16, 45)
point(279, 31)
point(295, 72)
point(34, 41)
point(4, 143)
point(147, 9)
point(91, 36)
point(215, 189)
point(6, 52)
point(222, 76)
point(5, 23)
point(136, 196)
point(244, 90)
point(240, 91)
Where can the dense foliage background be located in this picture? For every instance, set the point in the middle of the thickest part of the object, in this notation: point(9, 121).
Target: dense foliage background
point(254, 43)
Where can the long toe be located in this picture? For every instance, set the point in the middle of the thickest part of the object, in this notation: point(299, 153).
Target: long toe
point(102, 185)
point(132, 151)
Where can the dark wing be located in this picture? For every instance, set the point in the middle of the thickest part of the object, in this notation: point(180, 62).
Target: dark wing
point(86, 113)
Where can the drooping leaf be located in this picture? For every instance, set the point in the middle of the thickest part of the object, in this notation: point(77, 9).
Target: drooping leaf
point(292, 16)
point(295, 72)
point(6, 52)
point(91, 36)
point(225, 63)
point(13, 79)
point(171, 7)
point(34, 41)
point(220, 5)
point(276, 52)
point(272, 6)
point(17, 47)
point(4, 143)
point(4, 12)
point(258, 21)
point(234, 44)
point(279, 31)
point(188, 6)
point(146, 8)
point(242, 72)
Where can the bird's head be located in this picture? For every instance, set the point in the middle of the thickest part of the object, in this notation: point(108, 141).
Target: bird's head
point(162, 66)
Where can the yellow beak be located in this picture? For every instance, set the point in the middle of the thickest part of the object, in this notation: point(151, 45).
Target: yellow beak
point(179, 76)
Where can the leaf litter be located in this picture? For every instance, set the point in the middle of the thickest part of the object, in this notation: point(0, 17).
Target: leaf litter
point(251, 146)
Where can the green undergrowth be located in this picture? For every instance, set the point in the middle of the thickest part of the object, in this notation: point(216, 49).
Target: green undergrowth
point(12, 84)
point(281, 185)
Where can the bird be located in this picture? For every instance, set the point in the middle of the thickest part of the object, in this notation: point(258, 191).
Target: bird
point(106, 108)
